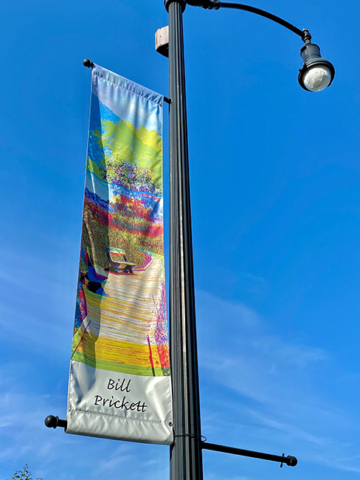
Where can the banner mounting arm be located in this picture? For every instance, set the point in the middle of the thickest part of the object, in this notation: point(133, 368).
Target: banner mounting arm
point(289, 460)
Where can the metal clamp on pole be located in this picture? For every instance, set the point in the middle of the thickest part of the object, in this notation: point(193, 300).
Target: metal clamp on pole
point(207, 4)
point(289, 460)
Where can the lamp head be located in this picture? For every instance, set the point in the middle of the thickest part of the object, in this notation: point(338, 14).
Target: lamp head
point(317, 73)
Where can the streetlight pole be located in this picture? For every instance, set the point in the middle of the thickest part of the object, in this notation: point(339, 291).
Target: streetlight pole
point(316, 74)
point(185, 455)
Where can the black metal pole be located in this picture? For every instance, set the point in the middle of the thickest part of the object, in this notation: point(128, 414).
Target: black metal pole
point(185, 453)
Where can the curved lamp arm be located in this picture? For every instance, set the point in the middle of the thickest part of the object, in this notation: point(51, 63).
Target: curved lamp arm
point(216, 4)
point(265, 14)
point(316, 73)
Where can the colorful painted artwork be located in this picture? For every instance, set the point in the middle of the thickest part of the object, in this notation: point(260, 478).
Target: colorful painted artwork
point(120, 383)
point(120, 320)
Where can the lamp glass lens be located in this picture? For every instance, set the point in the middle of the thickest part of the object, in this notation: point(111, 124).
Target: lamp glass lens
point(317, 78)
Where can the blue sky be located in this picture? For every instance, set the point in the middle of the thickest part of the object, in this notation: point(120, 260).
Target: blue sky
point(276, 221)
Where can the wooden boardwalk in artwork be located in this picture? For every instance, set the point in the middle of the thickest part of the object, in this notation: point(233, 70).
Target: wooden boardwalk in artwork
point(123, 328)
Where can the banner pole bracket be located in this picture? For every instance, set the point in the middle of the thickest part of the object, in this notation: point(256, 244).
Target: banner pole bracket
point(88, 63)
point(53, 422)
point(289, 460)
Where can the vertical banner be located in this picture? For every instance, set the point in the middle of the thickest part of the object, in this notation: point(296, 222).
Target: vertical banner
point(119, 384)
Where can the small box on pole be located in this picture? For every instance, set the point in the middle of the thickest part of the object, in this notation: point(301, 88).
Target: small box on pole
point(162, 41)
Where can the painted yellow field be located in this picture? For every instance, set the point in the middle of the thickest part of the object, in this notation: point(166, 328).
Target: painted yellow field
point(119, 331)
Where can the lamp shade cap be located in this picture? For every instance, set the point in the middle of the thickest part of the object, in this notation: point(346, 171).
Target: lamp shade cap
point(309, 51)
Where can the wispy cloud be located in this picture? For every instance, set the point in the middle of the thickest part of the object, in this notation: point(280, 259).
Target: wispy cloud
point(122, 454)
point(213, 476)
point(269, 388)
point(295, 432)
point(38, 302)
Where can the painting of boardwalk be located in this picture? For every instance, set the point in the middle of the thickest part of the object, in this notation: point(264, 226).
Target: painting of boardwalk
point(125, 327)
point(120, 321)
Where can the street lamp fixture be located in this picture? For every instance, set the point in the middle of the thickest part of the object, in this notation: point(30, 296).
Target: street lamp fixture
point(317, 73)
